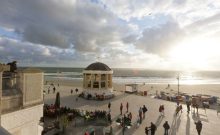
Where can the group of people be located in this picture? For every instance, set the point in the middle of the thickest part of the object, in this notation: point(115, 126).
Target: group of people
point(53, 88)
point(141, 114)
point(121, 108)
point(76, 90)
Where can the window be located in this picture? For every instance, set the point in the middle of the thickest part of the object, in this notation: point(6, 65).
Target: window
point(95, 84)
point(102, 84)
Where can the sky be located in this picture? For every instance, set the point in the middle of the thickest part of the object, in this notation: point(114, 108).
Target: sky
point(151, 34)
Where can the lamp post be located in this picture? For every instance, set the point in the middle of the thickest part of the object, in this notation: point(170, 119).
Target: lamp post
point(123, 130)
point(178, 79)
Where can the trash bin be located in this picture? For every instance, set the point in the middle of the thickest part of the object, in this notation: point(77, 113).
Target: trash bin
point(145, 93)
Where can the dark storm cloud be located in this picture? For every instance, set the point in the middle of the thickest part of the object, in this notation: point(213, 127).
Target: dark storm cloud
point(159, 40)
point(83, 24)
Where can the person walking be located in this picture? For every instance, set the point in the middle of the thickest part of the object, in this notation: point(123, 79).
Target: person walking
point(127, 105)
point(144, 109)
point(153, 128)
point(71, 91)
point(166, 127)
point(199, 127)
point(121, 108)
point(188, 106)
point(140, 115)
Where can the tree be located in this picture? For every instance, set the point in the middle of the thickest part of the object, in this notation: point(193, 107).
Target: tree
point(57, 101)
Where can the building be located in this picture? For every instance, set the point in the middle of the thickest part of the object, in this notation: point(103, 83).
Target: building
point(97, 80)
point(21, 96)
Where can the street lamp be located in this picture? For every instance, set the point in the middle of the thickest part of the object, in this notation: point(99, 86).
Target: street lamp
point(123, 130)
point(178, 79)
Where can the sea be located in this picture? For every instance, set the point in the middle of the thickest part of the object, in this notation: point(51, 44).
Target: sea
point(138, 76)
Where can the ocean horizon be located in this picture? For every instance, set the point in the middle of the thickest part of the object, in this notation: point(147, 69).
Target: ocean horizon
point(140, 76)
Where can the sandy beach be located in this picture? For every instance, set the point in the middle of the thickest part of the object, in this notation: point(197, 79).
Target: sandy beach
point(207, 89)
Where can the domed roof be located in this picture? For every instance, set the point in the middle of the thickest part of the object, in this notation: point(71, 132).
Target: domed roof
point(98, 66)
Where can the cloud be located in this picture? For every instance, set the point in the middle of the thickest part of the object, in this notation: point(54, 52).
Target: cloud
point(120, 32)
point(84, 25)
point(159, 40)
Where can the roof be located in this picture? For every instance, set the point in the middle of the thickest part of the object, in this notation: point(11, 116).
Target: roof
point(98, 66)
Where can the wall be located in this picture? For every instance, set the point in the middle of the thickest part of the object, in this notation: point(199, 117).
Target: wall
point(24, 121)
point(31, 85)
point(0, 94)
point(11, 102)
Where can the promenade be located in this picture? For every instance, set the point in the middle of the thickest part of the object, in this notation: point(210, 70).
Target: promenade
point(182, 124)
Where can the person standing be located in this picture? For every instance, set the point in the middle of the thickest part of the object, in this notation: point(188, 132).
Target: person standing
point(144, 109)
point(162, 107)
point(153, 128)
point(71, 91)
point(121, 108)
point(197, 108)
point(147, 130)
point(166, 127)
point(109, 107)
point(181, 108)
point(130, 116)
point(127, 105)
point(111, 130)
point(76, 90)
point(218, 108)
point(160, 110)
point(109, 118)
point(54, 89)
point(199, 127)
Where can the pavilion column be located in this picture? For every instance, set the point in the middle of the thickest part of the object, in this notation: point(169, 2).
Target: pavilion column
point(110, 80)
point(92, 80)
point(99, 76)
point(84, 80)
point(106, 81)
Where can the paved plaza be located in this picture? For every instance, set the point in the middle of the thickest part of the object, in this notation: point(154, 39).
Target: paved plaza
point(183, 124)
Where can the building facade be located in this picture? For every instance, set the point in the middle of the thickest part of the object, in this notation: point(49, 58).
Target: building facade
point(21, 96)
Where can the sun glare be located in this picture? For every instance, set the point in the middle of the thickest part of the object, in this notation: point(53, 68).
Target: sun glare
point(194, 54)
